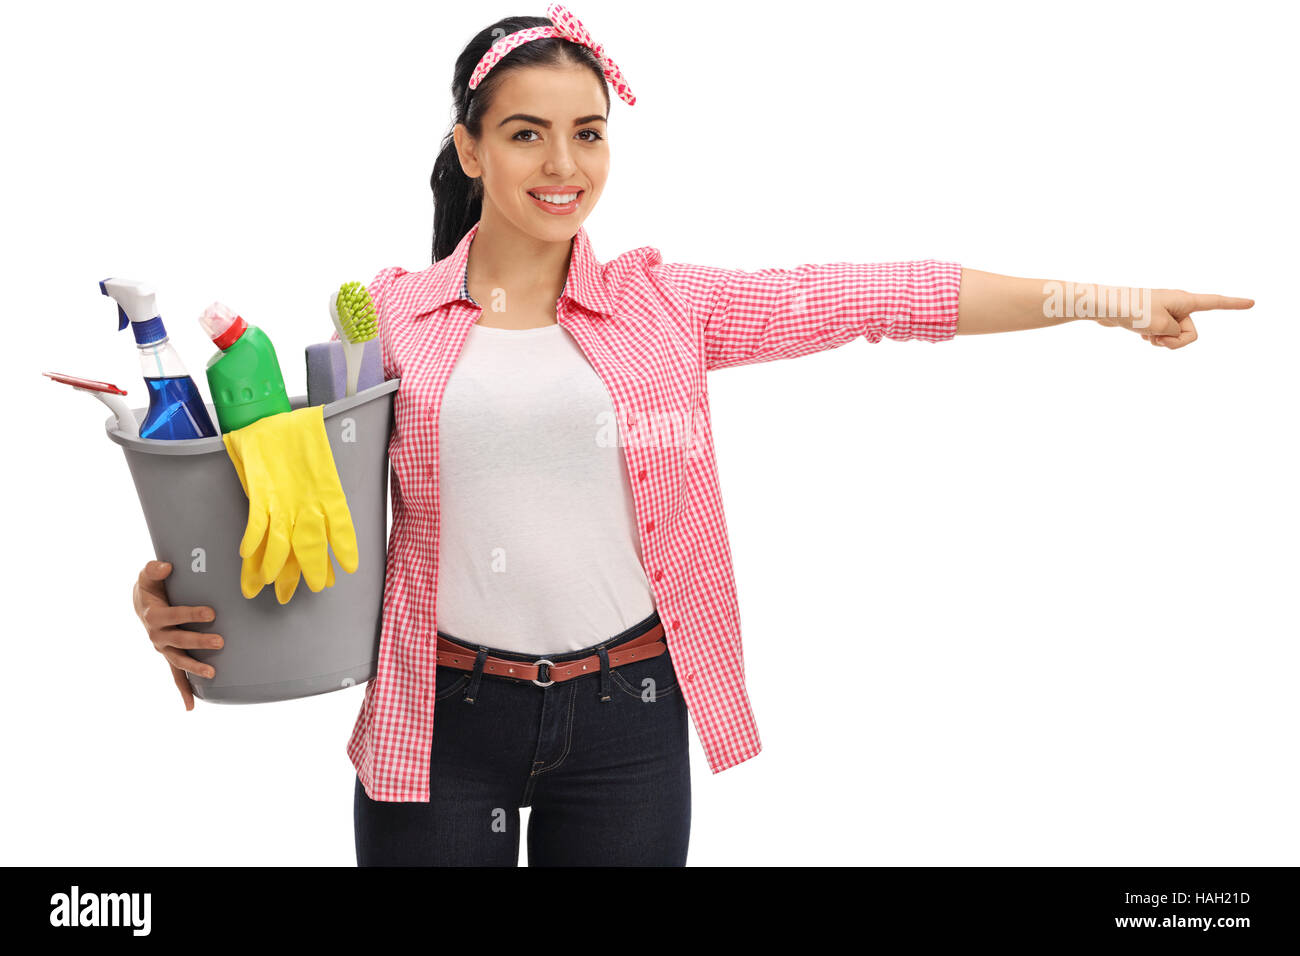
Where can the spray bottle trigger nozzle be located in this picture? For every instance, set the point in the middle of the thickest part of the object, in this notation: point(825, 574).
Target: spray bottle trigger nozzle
point(122, 320)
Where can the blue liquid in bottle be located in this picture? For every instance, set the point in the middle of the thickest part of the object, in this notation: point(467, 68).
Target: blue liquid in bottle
point(176, 410)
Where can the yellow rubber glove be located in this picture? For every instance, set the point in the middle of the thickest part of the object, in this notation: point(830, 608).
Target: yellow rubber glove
point(287, 581)
point(296, 505)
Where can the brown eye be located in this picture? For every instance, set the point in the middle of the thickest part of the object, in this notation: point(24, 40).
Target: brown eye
point(521, 133)
point(595, 134)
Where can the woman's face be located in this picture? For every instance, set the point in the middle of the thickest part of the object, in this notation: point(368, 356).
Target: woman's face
point(543, 136)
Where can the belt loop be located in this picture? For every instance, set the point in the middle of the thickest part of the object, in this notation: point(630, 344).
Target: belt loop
point(472, 690)
point(604, 672)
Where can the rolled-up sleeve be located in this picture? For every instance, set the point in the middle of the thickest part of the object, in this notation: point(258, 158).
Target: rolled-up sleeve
point(747, 317)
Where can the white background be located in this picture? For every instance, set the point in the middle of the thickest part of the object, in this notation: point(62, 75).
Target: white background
point(1010, 599)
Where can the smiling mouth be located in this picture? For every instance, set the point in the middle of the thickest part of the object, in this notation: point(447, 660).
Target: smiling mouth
point(557, 198)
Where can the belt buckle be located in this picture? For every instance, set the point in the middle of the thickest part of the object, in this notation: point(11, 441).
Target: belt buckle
point(549, 665)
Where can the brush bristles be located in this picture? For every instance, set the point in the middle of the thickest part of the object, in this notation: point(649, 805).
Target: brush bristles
point(356, 313)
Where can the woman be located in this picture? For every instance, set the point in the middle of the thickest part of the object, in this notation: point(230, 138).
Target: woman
point(556, 488)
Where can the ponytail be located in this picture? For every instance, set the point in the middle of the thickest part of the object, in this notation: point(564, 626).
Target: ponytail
point(457, 200)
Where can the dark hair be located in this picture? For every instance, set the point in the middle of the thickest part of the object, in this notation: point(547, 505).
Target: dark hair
point(457, 198)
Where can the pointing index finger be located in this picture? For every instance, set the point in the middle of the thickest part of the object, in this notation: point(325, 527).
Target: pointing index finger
point(1202, 302)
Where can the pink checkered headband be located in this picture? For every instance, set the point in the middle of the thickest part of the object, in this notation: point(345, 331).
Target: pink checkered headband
point(565, 26)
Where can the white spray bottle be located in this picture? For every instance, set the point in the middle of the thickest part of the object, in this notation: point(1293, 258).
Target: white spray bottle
point(176, 409)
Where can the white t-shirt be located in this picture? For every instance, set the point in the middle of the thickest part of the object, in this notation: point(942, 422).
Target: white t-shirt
point(539, 550)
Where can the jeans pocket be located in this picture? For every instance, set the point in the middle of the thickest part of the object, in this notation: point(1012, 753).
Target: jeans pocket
point(454, 685)
point(648, 680)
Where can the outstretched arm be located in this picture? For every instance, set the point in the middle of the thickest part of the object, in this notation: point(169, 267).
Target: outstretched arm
point(744, 317)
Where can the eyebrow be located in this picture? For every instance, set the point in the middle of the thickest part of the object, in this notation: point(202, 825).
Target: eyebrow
point(529, 118)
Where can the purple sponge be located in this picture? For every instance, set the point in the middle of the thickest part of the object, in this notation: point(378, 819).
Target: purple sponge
point(327, 371)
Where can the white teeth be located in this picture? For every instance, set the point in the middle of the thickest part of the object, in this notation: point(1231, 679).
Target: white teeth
point(556, 199)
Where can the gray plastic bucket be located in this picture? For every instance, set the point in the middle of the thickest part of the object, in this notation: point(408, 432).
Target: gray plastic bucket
point(196, 511)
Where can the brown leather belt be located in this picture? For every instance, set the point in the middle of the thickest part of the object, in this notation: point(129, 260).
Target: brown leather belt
point(642, 648)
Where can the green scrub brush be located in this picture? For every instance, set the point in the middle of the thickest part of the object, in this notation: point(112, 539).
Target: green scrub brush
point(354, 317)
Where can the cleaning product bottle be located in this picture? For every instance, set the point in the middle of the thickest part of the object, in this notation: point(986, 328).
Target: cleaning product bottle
point(176, 409)
point(244, 376)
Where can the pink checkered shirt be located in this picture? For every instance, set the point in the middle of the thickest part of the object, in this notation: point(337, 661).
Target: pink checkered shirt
point(651, 330)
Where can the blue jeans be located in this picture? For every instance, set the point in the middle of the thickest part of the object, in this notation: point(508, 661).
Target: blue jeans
point(602, 760)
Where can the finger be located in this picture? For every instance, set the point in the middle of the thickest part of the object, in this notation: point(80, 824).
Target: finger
point(250, 572)
point(1186, 335)
point(154, 572)
point(160, 617)
point(310, 547)
point(1201, 303)
point(254, 531)
point(329, 574)
point(287, 582)
point(151, 577)
point(279, 538)
point(183, 685)
point(1160, 322)
point(182, 637)
point(342, 533)
point(188, 664)
point(250, 578)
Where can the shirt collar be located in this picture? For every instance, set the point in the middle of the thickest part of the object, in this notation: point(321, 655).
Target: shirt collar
point(447, 280)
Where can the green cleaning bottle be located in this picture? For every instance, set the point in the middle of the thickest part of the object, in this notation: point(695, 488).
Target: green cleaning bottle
point(244, 377)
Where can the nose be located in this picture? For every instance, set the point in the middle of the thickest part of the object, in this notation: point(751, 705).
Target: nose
point(559, 158)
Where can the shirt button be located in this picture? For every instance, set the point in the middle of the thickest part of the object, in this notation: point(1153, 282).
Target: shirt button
point(690, 678)
point(659, 575)
point(649, 525)
point(640, 475)
point(676, 625)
